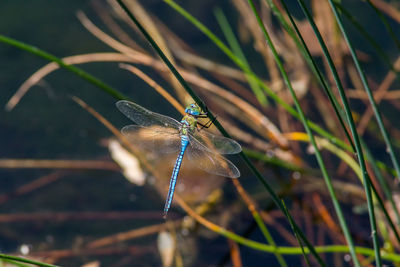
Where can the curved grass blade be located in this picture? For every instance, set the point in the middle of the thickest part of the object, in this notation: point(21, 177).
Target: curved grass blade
point(24, 260)
point(235, 46)
point(78, 71)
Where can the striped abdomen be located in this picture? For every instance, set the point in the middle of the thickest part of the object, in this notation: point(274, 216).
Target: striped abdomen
point(175, 172)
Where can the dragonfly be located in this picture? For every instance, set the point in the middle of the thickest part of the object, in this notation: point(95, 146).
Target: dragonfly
point(158, 133)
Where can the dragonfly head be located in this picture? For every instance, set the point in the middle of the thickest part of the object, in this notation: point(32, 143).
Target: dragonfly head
point(194, 110)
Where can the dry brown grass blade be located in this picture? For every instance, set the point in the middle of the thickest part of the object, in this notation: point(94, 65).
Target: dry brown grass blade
point(148, 23)
point(47, 69)
point(31, 186)
point(121, 138)
point(235, 253)
point(43, 217)
point(103, 36)
point(209, 65)
point(135, 233)
point(156, 86)
point(107, 19)
point(378, 95)
point(360, 94)
point(58, 164)
point(388, 8)
point(56, 255)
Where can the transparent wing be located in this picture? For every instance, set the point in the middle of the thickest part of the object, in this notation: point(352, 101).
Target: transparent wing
point(154, 138)
point(144, 117)
point(211, 162)
point(215, 143)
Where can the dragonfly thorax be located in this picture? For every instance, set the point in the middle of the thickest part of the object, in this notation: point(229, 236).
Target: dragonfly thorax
point(189, 124)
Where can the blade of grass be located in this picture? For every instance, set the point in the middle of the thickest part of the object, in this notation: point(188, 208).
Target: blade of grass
point(385, 187)
point(297, 237)
point(385, 58)
point(390, 30)
point(19, 259)
point(235, 46)
point(318, 155)
point(217, 124)
point(78, 71)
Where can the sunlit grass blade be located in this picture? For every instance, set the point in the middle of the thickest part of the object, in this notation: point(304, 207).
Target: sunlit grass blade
point(318, 155)
point(235, 46)
point(24, 260)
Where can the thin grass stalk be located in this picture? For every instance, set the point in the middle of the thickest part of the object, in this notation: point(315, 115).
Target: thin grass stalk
point(318, 155)
point(19, 259)
point(297, 237)
point(385, 58)
point(78, 71)
point(390, 30)
point(216, 123)
point(237, 61)
point(235, 46)
point(353, 129)
point(385, 187)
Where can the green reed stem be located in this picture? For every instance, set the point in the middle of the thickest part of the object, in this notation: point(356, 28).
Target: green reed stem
point(19, 259)
point(237, 50)
point(297, 237)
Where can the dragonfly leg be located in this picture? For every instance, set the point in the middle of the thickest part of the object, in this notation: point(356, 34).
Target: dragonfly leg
point(207, 124)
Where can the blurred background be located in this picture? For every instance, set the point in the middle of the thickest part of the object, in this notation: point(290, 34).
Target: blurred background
point(73, 194)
